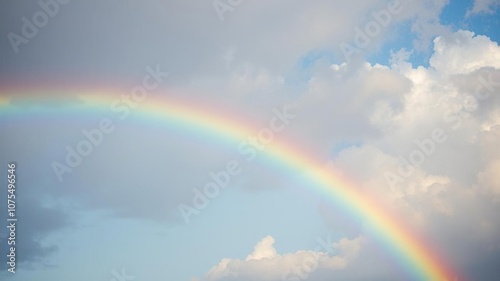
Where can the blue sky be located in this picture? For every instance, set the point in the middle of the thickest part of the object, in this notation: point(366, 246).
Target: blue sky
point(361, 117)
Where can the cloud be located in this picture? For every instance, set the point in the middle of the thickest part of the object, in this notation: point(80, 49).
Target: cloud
point(264, 263)
point(242, 65)
point(447, 190)
point(395, 112)
point(263, 249)
point(483, 6)
point(490, 179)
point(256, 32)
point(385, 108)
point(488, 176)
point(35, 224)
point(464, 52)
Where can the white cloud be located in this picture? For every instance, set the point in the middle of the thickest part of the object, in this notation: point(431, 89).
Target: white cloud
point(463, 52)
point(386, 108)
point(483, 6)
point(453, 194)
point(263, 249)
point(264, 263)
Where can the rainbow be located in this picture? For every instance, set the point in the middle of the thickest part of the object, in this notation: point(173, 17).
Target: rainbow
point(417, 258)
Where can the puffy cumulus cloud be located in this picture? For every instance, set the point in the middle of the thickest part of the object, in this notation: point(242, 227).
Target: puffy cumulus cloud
point(411, 192)
point(429, 141)
point(483, 6)
point(389, 105)
point(236, 64)
point(462, 52)
point(381, 100)
point(459, 218)
point(264, 263)
point(263, 249)
point(343, 102)
point(437, 164)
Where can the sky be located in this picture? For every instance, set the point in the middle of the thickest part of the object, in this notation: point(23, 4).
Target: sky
point(398, 98)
